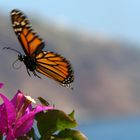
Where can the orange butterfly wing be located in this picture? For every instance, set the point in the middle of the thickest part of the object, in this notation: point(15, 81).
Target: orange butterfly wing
point(31, 43)
point(55, 67)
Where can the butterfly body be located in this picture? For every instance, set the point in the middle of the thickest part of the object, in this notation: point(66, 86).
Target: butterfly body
point(35, 59)
point(29, 62)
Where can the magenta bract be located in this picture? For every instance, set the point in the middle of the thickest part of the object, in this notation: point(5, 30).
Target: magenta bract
point(1, 85)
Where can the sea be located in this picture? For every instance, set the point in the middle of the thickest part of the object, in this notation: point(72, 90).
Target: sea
point(127, 128)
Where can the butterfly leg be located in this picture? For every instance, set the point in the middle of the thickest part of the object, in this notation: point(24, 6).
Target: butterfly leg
point(36, 74)
point(28, 72)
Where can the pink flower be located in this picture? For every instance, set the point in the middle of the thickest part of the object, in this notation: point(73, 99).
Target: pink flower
point(17, 115)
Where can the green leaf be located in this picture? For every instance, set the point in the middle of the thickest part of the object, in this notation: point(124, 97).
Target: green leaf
point(69, 134)
point(54, 120)
point(23, 138)
point(72, 114)
point(32, 134)
point(46, 137)
point(60, 139)
point(43, 101)
point(1, 136)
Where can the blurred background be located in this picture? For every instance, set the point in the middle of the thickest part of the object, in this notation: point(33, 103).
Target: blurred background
point(102, 41)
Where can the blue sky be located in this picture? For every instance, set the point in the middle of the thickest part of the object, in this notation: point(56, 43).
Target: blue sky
point(117, 18)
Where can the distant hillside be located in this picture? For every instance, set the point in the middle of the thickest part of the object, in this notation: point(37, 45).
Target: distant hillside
point(107, 72)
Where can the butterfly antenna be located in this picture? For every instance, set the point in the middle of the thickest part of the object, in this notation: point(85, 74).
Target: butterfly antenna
point(8, 48)
point(13, 64)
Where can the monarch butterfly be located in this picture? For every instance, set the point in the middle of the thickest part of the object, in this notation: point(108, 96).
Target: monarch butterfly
point(35, 59)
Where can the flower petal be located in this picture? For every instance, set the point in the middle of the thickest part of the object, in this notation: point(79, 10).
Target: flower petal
point(24, 124)
point(40, 108)
point(9, 113)
point(3, 122)
point(1, 85)
point(10, 135)
point(18, 99)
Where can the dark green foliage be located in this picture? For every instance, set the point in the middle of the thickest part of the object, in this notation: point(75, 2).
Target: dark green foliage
point(43, 101)
point(53, 121)
point(69, 134)
point(1, 136)
point(56, 125)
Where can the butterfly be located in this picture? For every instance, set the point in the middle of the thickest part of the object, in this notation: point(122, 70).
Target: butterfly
point(35, 59)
